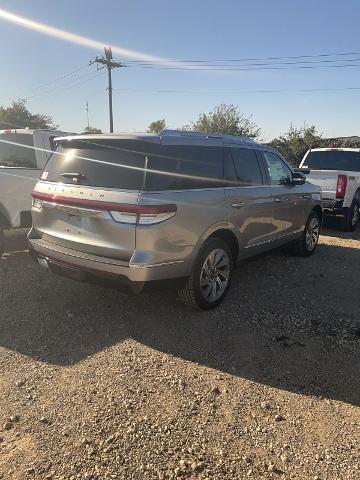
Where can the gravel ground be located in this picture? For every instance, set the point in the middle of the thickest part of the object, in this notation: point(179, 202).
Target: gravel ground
point(95, 384)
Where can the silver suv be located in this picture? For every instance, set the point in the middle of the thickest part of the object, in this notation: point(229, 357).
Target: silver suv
point(178, 207)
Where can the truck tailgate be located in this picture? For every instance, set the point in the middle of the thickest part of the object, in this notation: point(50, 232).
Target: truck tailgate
point(327, 180)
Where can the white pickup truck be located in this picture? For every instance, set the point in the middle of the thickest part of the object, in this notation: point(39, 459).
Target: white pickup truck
point(23, 155)
point(337, 172)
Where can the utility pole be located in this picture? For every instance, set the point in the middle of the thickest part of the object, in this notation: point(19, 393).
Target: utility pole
point(108, 62)
point(87, 114)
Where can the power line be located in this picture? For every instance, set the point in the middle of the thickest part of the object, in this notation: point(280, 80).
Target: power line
point(55, 80)
point(138, 90)
point(236, 69)
point(303, 62)
point(55, 92)
point(89, 74)
point(249, 59)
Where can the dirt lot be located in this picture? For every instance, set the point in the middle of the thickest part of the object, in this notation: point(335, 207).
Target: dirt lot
point(95, 384)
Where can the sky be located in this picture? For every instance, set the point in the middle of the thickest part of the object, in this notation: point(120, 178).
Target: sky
point(187, 30)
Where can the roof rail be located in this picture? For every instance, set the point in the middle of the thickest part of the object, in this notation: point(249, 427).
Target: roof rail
point(190, 133)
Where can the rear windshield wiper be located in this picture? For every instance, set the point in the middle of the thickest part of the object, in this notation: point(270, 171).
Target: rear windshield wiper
point(78, 176)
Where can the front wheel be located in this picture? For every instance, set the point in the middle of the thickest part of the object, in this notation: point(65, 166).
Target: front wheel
point(2, 242)
point(307, 244)
point(211, 275)
point(352, 217)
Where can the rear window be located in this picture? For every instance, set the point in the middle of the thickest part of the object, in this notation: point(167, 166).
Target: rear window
point(108, 164)
point(121, 164)
point(17, 153)
point(333, 160)
point(179, 167)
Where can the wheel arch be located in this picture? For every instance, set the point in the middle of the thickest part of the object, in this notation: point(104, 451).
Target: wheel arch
point(229, 237)
point(317, 209)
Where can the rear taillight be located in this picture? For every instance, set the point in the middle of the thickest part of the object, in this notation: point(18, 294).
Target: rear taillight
point(143, 214)
point(120, 212)
point(341, 186)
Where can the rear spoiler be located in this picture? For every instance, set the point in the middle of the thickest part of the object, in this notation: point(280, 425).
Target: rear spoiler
point(303, 170)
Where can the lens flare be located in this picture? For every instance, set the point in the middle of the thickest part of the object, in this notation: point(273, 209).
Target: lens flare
point(73, 37)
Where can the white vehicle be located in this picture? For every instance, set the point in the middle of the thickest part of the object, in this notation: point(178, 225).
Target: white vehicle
point(337, 172)
point(23, 155)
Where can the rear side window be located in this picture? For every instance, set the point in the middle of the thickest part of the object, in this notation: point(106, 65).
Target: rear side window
point(246, 166)
point(19, 153)
point(103, 163)
point(333, 160)
point(179, 167)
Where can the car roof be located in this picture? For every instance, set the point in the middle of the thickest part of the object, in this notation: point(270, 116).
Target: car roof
point(164, 134)
point(329, 149)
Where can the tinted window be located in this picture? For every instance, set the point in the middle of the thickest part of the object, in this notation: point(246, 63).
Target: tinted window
point(104, 163)
point(17, 155)
point(246, 165)
point(279, 172)
point(333, 160)
point(179, 167)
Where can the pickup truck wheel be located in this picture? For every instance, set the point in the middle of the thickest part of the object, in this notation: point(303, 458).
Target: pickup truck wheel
point(352, 217)
point(211, 275)
point(2, 242)
point(307, 244)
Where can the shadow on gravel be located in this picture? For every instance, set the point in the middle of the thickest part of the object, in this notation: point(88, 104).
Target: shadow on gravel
point(332, 227)
point(287, 322)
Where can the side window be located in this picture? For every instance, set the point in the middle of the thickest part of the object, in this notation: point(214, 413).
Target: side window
point(279, 172)
point(19, 152)
point(180, 167)
point(246, 165)
point(53, 145)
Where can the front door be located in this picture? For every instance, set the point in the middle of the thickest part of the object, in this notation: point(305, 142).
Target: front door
point(249, 199)
point(286, 197)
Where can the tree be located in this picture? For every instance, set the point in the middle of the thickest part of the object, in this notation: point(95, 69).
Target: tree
point(18, 116)
point(156, 126)
point(92, 130)
point(297, 141)
point(226, 119)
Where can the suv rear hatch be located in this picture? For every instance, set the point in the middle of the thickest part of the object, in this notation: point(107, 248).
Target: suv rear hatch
point(88, 193)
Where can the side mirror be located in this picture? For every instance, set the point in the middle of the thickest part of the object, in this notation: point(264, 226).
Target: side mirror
point(298, 179)
point(303, 170)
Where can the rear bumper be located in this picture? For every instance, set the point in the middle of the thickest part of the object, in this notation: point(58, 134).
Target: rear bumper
point(91, 268)
point(332, 206)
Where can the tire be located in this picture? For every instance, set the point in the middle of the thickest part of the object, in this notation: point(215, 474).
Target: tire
point(210, 277)
point(2, 242)
point(352, 217)
point(307, 244)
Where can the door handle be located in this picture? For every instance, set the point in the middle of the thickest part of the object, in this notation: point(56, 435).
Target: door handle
point(238, 204)
point(280, 199)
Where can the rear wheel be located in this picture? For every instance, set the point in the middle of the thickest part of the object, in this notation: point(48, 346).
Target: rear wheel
point(352, 217)
point(211, 275)
point(2, 242)
point(307, 244)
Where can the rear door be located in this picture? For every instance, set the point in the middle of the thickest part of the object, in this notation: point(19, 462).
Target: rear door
point(87, 192)
point(248, 197)
point(288, 207)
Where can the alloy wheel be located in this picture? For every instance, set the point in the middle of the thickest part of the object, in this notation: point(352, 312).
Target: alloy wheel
point(214, 275)
point(312, 234)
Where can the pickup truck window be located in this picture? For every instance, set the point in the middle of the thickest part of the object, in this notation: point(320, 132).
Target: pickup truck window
point(333, 160)
point(17, 155)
